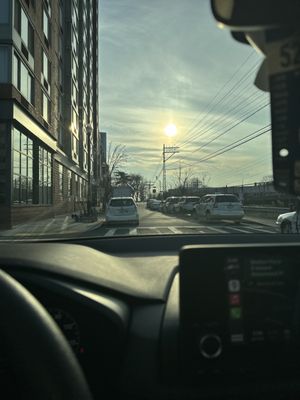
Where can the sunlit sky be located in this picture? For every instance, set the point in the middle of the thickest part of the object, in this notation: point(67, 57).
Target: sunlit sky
point(166, 61)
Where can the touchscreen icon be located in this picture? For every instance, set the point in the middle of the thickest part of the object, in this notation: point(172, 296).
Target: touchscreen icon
point(234, 299)
point(234, 285)
point(235, 313)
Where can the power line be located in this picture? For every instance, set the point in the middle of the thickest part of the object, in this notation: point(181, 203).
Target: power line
point(229, 92)
point(223, 118)
point(232, 127)
point(225, 150)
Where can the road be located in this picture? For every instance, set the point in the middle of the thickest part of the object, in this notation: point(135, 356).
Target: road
point(157, 223)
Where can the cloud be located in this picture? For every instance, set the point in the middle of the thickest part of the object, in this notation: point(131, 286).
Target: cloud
point(165, 60)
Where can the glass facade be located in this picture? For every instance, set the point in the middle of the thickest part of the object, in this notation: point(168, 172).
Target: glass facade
point(32, 167)
point(61, 181)
point(22, 168)
point(45, 176)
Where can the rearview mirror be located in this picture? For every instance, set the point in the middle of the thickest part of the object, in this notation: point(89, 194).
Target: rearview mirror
point(256, 14)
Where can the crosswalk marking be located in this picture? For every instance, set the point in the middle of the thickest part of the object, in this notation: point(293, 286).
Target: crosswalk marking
point(110, 232)
point(216, 229)
point(233, 228)
point(192, 229)
point(174, 230)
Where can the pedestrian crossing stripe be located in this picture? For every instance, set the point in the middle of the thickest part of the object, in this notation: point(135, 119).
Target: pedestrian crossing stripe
point(180, 230)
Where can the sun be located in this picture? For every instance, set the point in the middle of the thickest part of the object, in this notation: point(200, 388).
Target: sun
point(171, 130)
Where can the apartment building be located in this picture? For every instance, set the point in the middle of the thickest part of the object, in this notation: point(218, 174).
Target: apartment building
point(48, 108)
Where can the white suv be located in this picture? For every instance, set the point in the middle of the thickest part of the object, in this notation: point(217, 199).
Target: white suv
point(220, 206)
point(121, 210)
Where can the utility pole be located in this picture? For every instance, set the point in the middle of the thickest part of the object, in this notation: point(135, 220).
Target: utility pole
point(179, 173)
point(167, 150)
point(164, 185)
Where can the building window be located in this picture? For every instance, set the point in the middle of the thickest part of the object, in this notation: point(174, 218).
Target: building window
point(61, 180)
point(22, 168)
point(45, 176)
point(76, 188)
point(46, 69)
point(45, 107)
point(4, 74)
point(22, 79)
point(74, 93)
point(69, 184)
point(75, 120)
point(46, 26)
point(24, 28)
point(75, 147)
point(4, 15)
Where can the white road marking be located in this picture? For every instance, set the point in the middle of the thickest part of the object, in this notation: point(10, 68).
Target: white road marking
point(64, 224)
point(111, 232)
point(216, 230)
point(48, 225)
point(258, 229)
point(174, 230)
point(233, 228)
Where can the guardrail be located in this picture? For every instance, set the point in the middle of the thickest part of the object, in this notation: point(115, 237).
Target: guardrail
point(266, 212)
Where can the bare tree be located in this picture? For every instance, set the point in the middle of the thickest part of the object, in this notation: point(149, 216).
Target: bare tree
point(116, 158)
point(182, 179)
point(267, 178)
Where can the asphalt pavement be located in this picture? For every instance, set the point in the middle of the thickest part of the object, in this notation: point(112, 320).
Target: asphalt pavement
point(151, 223)
point(157, 223)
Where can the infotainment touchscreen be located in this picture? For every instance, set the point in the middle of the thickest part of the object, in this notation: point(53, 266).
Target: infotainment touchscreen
point(262, 298)
point(239, 309)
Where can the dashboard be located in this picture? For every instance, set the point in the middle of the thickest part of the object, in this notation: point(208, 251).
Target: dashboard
point(198, 320)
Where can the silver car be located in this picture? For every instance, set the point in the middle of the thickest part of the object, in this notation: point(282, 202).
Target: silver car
point(220, 206)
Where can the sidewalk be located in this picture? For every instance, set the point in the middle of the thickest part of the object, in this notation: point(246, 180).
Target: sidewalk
point(62, 225)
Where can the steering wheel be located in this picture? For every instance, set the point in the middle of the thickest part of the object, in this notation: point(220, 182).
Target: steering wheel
point(39, 355)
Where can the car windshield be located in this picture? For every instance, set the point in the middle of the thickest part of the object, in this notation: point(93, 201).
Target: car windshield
point(121, 203)
point(182, 115)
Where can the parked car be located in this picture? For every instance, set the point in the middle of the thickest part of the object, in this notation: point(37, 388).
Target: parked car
point(187, 204)
point(177, 206)
point(289, 222)
point(220, 206)
point(162, 206)
point(170, 203)
point(121, 210)
point(154, 205)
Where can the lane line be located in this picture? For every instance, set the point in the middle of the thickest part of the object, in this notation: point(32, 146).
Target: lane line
point(111, 232)
point(64, 224)
point(216, 230)
point(258, 229)
point(174, 230)
point(232, 228)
